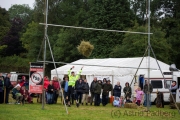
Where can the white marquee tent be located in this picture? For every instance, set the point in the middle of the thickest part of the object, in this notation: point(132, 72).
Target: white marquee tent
point(114, 69)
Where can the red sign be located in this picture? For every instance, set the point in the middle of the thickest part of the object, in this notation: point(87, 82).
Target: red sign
point(36, 78)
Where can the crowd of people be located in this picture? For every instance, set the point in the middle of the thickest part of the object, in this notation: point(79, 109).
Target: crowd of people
point(20, 92)
point(76, 89)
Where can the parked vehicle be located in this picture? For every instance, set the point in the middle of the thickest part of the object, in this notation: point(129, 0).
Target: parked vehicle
point(15, 76)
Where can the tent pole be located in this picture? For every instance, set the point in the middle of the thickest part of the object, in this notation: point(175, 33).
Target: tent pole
point(57, 74)
point(138, 66)
point(45, 32)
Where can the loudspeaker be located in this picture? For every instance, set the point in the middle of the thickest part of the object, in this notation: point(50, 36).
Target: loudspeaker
point(173, 68)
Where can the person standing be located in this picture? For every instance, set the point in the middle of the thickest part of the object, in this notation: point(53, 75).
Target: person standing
point(64, 86)
point(141, 81)
point(97, 93)
point(56, 88)
point(8, 87)
point(71, 84)
point(79, 91)
point(50, 91)
point(104, 81)
point(148, 88)
point(173, 89)
point(1, 89)
point(92, 89)
point(85, 92)
point(127, 90)
point(117, 90)
point(105, 95)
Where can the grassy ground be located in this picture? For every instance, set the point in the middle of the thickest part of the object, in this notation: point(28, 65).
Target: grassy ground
point(58, 112)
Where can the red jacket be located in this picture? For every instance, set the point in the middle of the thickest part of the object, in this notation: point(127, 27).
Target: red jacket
point(22, 83)
point(56, 84)
point(46, 83)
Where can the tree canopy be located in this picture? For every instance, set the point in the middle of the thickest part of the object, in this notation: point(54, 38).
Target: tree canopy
point(22, 35)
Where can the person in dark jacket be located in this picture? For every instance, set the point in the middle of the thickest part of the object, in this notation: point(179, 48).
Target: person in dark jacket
point(127, 90)
point(8, 87)
point(50, 91)
point(117, 90)
point(106, 89)
point(147, 93)
point(85, 92)
point(1, 89)
point(79, 91)
point(97, 93)
point(92, 89)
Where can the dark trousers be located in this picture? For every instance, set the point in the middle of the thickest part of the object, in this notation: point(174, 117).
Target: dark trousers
point(104, 99)
point(71, 94)
point(141, 86)
point(2, 96)
point(56, 94)
point(7, 96)
point(65, 97)
point(79, 96)
point(97, 99)
point(92, 97)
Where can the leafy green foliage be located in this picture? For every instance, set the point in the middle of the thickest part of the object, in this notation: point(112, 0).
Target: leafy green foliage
point(14, 45)
point(4, 23)
point(136, 44)
point(32, 39)
point(122, 15)
point(14, 63)
point(107, 14)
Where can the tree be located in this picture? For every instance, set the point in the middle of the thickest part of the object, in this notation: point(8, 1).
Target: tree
point(20, 11)
point(136, 44)
point(32, 39)
point(168, 13)
point(12, 39)
point(4, 23)
point(107, 14)
point(139, 8)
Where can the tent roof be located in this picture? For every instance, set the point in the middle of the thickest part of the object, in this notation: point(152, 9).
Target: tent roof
point(111, 66)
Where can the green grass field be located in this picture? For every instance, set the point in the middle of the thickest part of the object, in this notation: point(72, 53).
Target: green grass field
point(58, 112)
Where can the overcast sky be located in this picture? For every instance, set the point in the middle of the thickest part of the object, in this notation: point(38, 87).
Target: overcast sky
point(7, 3)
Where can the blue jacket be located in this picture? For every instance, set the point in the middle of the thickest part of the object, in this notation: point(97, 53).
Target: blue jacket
point(117, 90)
point(116, 102)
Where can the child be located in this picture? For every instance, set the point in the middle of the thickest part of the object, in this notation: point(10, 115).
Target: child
point(139, 95)
point(121, 101)
point(135, 100)
point(116, 102)
point(128, 100)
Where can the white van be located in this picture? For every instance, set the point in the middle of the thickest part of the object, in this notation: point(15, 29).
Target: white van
point(159, 83)
point(15, 76)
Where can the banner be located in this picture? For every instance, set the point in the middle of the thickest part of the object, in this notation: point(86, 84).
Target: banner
point(36, 78)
